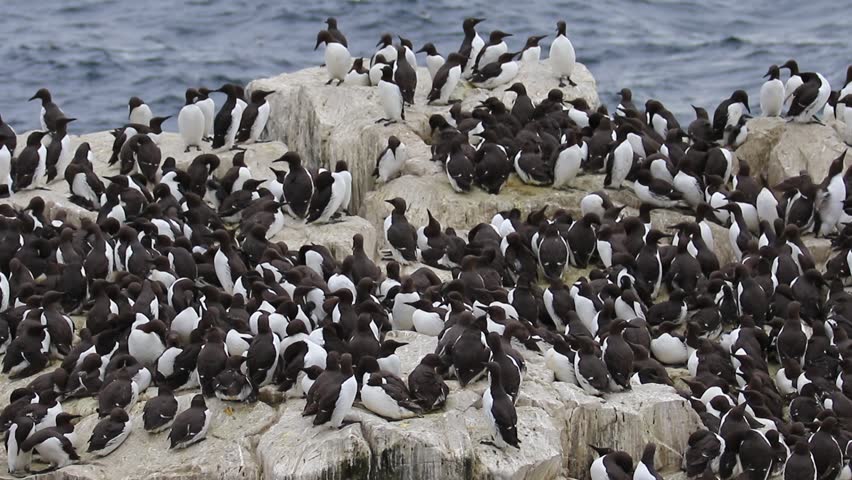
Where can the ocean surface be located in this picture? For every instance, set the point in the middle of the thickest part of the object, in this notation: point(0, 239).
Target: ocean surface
point(95, 54)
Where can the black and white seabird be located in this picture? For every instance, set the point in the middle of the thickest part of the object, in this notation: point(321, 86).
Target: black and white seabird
point(459, 167)
point(530, 165)
point(208, 108)
point(298, 185)
point(730, 111)
point(656, 192)
point(400, 235)
point(569, 158)
point(499, 411)
point(446, 79)
point(809, 99)
point(138, 111)
point(390, 98)
point(772, 93)
point(617, 354)
point(160, 411)
point(17, 433)
point(385, 394)
point(337, 57)
point(191, 425)
point(331, 24)
point(434, 60)
point(30, 168)
point(562, 56)
point(336, 395)
point(531, 53)
point(227, 121)
point(385, 50)
point(471, 44)
point(492, 50)
point(426, 384)
point(212, 359)
point(611, 465)
point(52, 446)
point(497, 73)
point(358, 75)
point(254, 117)
point(590, 370)
point(793, 82)
point(59, 152)
point(323, 202)
point(405, 76)
point(619, 162)
point(50, 112)
point(390, 161)
point(191, 121)
point(109, 433)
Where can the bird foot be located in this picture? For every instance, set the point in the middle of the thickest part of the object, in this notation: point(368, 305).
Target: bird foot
point(381, 120)
point(239, 149)
point(339, 83)
point(186, 150)
point(561, 83)
point(390, 122)
point(329, 81)
point(571, 82)
point(489, 443)
point(198, 148)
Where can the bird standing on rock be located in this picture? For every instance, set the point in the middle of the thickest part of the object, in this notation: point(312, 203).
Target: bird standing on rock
point(390, 97)
point(400, 235)
point(338, 60)
point(562, 56)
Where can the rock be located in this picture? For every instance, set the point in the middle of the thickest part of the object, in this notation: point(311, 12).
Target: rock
point(328, 123)
point(227, 453)
point(293, 449)
point(434, 446)
point(336, 236)
point(622, 420)
point(464, 211)
point(540, 455)
point(782, 149)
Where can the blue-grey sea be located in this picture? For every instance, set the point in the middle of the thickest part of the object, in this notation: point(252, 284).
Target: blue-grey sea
point(95, 54)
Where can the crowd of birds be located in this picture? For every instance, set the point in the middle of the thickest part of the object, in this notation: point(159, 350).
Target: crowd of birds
point(182, 287)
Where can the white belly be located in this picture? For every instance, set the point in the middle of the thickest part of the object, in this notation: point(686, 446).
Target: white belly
point(191, 124)
point(337, 60)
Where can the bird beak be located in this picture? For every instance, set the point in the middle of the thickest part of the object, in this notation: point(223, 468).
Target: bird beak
point(422, 50)
point(32, 98)
point(379, 43)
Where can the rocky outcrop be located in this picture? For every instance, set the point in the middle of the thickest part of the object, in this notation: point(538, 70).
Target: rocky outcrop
point(326, 124)
point(783, 149)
